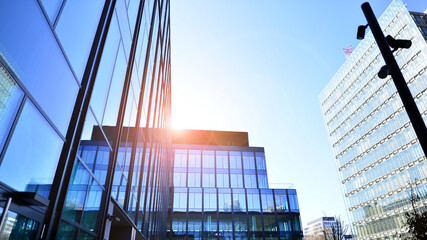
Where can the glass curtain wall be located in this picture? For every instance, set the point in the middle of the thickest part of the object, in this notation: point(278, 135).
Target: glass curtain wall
point(221, 207)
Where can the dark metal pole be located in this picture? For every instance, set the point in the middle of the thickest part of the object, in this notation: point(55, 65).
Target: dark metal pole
point(400, 83)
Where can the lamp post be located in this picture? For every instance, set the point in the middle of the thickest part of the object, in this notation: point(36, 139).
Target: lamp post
point(391, 68)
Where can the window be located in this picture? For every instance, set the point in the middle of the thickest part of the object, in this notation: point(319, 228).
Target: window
point(239, 201)
point(209, 201)
point(180, 158)
point(250, 181)
point(33, 141)
point(248, 160)
point(179, 179)
point(208, 180)
point(222, 180)
point(221, 160)
point(267, 200)
point(293, 202)
point(260, 161)
point(235, 160)
point(224, 200)
point(194, 159)
point(194, 179)
point(77, 46)
point(208, 159)
point(180, 200)
point(236, 180)
point(11, 97)
point(281, 200)
point(195, 201)
point(262, 181)
point(253, 201)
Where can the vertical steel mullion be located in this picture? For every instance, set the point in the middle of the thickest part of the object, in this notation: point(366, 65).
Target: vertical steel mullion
point(67, 158)
point(136, 136)
point(119, 124)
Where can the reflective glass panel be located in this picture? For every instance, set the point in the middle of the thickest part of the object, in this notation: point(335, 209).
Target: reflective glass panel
point(208, 159)
point(180, 158)
point(210, 224)
point(221, 159)
point(260, 161)
point(66, 231)
point(194, 159)
point(77, 46)
point(239, 201)
point(76, 193)
point(33, 53)
point(240, 222)
point(92, 205)
point(267, 200)
point(248, 160)
point(235, 160)
point(34, 143)
point(195, 201)
point(18, 227)
point(281, 200)
point(105, 71)
point(10, 98)
point(116, 89)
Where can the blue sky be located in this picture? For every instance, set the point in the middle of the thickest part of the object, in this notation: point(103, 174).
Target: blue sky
point(259, 66)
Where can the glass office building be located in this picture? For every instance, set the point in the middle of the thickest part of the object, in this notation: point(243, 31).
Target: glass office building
point(376, 150)
point(220, 190)
point(65, 67)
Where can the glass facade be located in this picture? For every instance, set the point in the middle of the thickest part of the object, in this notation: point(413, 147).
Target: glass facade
point(221, 192)
point(73, 91)
point(375, 146)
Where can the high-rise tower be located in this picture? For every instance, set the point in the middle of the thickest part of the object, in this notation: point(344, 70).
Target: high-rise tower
point(377, 152)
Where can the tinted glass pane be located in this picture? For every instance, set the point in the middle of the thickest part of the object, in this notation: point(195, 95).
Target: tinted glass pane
point(270, 222)
point(235, 160)
point(248, 160)
point(180, 158)
point(33, 141)
point(250, 181)
point(262, 181)
point(293, 202)
point(76, 193)
point(91, 207)
point(194, 159)
point(33, 52)
point(179, 223)
point(260, 161)
point(281, 200)
point(239, 202)
point(105, 71)
point(116, 88)
point(195, 202)
point(208, 159)
point(77, 46)
point(210, 224)
point(18, 227)
point(255, 223)
point(85, 236)
point(267, 201)
point(10, 98)
point(221, 159)
point(240, 222)
point(209, 201)
point(66, 231)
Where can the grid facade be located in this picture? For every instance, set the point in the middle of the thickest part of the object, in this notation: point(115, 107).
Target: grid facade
point(68, 71)
point(222, 192)
point(376, 150)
